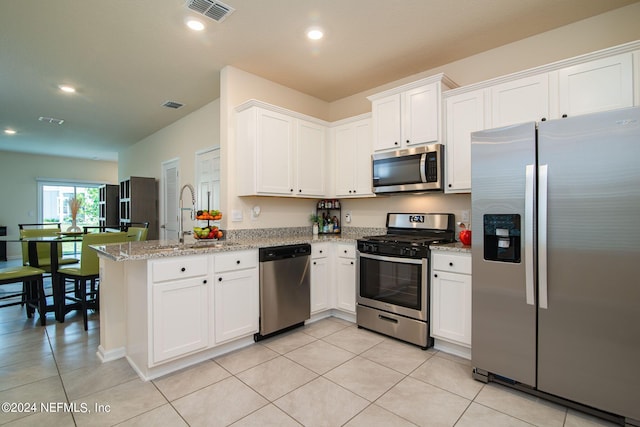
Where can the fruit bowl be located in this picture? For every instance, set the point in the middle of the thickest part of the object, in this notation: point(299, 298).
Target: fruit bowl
point(213, 215)
point(203, 233)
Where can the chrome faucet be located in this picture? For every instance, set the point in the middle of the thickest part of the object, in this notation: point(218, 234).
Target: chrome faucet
point(181, 231)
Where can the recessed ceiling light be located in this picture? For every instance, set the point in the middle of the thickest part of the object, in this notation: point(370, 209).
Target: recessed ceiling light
point(10, 131)
point(67, 88)
point(315, 34)
point(195, 25)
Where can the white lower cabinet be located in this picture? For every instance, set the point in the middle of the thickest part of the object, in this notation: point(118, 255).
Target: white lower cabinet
point(346, 277)
point(451, 297)
point(320, 277)
point(235, 295)
point(179, 309)
point(333, 277)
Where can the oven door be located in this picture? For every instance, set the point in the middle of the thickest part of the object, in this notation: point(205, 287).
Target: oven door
point(393, 284)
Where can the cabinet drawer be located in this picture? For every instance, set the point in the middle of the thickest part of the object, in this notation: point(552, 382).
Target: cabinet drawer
point(319, 250)
point(452, 263)
point(236, 260)
point(346, 250)
point(179, 268)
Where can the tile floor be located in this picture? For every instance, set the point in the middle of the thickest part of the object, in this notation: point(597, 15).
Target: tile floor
point(329, 373)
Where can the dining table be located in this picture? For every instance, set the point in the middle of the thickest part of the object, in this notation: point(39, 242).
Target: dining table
point(57, 286)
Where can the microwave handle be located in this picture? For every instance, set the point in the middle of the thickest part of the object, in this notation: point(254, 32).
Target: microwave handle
point(423, 167)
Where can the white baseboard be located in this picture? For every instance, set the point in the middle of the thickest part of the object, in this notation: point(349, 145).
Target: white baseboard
point(108, 356)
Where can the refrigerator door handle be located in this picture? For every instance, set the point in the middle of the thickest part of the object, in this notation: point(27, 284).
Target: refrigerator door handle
point(542, 236)
point(528, 234)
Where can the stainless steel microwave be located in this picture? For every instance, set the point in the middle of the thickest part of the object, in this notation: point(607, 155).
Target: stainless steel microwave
point(413, 169)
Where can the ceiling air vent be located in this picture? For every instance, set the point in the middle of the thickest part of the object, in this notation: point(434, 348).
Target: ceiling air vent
point(51, 120)
point(172, 104)
point(213, 9)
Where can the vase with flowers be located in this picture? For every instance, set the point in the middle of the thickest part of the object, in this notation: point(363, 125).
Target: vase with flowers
point(74, 207)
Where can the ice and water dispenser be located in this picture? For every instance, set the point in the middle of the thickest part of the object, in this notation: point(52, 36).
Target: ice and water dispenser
point(502, 237)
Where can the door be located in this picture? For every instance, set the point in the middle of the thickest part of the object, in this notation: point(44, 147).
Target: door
point(169, 201)
point(274, 153)
point(236, 304)
point(589, 322)
point(208, 179)
point(503, 314)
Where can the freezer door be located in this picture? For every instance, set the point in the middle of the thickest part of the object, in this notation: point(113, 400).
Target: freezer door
point(503, 311)
point(589, 334)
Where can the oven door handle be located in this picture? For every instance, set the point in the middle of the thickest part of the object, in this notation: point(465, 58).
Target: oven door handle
point(391, 259)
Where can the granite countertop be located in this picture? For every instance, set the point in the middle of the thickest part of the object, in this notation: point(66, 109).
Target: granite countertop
point(169, 248)
point(451, 247)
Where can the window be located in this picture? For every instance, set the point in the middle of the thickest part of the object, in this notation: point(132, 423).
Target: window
point(53, 205)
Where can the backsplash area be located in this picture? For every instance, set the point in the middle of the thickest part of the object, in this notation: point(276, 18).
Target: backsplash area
point(260, 233)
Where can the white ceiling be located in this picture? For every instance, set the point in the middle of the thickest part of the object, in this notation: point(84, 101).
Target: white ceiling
point(127, 57)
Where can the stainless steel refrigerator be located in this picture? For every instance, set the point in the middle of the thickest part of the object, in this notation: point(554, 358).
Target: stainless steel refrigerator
point(556, 258)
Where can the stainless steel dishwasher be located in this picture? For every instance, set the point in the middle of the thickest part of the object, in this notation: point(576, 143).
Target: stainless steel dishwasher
point(285, 288)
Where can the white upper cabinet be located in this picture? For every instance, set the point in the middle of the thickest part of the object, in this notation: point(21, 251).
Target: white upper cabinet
point(386, 122)
point(279, 154)
point(465, 113)
point(519, 101)
point(408, 115)
point(352, 159)
point(310, 159)
point(600, 85)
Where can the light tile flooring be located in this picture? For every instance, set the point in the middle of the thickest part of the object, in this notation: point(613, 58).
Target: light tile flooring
point(328, 373)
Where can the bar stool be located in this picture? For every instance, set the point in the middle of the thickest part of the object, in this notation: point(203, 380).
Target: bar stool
point(32, 289)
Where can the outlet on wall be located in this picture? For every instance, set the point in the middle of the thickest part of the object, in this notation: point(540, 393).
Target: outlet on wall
point(465, 216)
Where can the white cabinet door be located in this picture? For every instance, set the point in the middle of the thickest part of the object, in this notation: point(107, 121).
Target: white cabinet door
point(236, 309)
point(180, 318)
point(600, 85)
point(386, 123)
point(451, 307)
point(420, 115)
point(352, 144)
point(274, 147)
point(310, 159)
point(320, 285)
point(465, 113)
point(346, 284)
point(519, 101)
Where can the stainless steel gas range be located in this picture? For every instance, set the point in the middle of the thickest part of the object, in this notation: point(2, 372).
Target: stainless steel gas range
point(393, 275)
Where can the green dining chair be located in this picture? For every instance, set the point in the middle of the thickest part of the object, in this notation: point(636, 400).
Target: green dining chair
point(44, 249)
point(137, 234)
point(85, 292)
point(32, 289)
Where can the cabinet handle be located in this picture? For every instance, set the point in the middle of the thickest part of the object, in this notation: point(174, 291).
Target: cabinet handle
point(238, 262)
point(435, 275)
point(204, 281)
point(564, 116)
point(314, 263)
point(351, 262)
point(354, 191)
point(291, 190)
point(320, 251)
point(219, 279)
point(408, 141)
point(300, 190)
point(183, 269)
point(450, 264)
point(544, 119)
point(449, 185)
point(349, 191)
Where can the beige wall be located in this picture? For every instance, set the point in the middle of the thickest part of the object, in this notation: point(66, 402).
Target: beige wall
point(18, 192)
point(609, 29)
point(237, 87)
point(180, 140)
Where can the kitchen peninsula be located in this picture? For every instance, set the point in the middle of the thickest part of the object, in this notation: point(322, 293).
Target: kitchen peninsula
point(166, 305)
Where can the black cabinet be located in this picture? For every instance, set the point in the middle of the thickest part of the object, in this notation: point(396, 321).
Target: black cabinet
point(108, 205)
point(139, 203)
